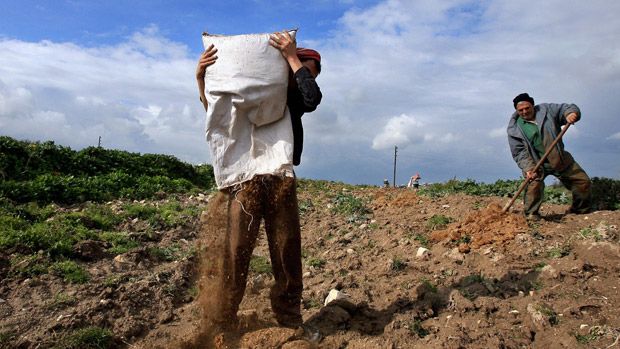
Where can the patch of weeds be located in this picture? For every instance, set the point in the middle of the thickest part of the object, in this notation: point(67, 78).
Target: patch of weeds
point(193, 291)
point(397, 264)
point(312, 303)
point(558, 251)
point(70, 271)
point(536, 285)
point(61, 300)
point(472, 279)
point(172, 214)
point(464, 239)
point(589, 233)
point(121, 242)
point(6, 338)
point(343, 272)
point(438, 221)
point(315, 262)
point(28, 266)
point(260, 265)
point(423, 240)
point(140, 211)
point(88, 338)
point(468, 294)
point(348, 204)
point(477, 205)
point(539, 266)
point(167, 254)
point(114, 280)
point(305, 206)
point(551, 315)
point(373, 226)
point(415, 328)
point(594, 333)
point(428, 285)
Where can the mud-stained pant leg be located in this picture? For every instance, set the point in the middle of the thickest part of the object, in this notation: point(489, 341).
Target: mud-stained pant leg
point(533, 197)
point(284, 237)
point(214, 236)
point(244, 214)
point(577, 181)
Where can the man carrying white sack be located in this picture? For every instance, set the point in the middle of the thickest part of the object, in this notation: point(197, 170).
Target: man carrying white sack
point(253, 164)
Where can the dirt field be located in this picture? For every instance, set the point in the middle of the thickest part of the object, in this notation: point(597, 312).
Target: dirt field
point(488, 280)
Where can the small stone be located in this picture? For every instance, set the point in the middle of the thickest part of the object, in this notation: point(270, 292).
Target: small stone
point(335, 295)
point(445, 206)
point(363, 226)
point(521, 294)
point(423, 253)
point(350, 251)
point(307, 274)
point(582, 326)
point(514, 312)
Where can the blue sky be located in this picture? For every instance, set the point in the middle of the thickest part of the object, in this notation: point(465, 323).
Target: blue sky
point(435, 78)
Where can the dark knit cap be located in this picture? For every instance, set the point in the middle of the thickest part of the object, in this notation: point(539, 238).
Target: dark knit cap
point(524, 97)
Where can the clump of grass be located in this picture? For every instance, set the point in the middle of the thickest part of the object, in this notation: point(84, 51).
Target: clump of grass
point(260, 265)
point(61, 300)
point(316, 262)
point(121, 242)
point(428, 285)
point(397, 264)
point(551, 315)
point(348, 204)
point(70, 271)
point(559, 251)
point(28, 266)
point(88, 338)
point(589, 233)
point(438, 221)
point(167, 254)
point(415, 328)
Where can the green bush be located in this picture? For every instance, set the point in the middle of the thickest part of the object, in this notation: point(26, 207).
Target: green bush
point(45, 172)
point(70, 271)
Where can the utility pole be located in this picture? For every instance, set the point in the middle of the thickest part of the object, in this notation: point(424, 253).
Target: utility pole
point(99, 143)
point(394, 178)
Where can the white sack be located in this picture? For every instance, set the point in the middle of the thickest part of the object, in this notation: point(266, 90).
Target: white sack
point(248, 129)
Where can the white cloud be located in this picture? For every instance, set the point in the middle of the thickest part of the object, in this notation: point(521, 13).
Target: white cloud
point(615, 136)
point(445, 72)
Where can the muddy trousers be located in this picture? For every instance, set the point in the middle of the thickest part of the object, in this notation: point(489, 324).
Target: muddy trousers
point(574, 178)
point(272, 199)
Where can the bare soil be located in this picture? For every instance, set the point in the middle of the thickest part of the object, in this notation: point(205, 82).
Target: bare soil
point(489, 280)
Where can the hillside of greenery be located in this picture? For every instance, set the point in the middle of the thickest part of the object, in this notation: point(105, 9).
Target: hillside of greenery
point(46, 172)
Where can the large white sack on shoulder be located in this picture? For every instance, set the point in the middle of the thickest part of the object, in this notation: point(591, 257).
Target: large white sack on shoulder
point(248, 125)
point(250, 72)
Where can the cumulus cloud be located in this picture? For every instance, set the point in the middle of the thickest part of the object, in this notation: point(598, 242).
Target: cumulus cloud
point(435, 78)
point(138, 95)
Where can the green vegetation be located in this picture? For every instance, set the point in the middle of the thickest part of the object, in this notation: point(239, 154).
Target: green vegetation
point(606, 191)
point(415, 328)
point(315, 262)
point(438, 221)
point(397, 264)
point(87, 338)
point(61, 300)
point(350, 205)
point(70, 271)
point(260, 265)
point(45, 172)
point(589, 233)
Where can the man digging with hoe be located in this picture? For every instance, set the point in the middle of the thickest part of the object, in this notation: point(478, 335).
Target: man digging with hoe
point(535, 131)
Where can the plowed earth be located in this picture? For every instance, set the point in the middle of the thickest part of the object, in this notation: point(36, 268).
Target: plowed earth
point(488, 280)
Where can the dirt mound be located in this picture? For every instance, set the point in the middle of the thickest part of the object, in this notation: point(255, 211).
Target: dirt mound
point(395, 198)
point(483, 227)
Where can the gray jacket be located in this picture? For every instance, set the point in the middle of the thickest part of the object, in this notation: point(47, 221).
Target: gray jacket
point(549, 118)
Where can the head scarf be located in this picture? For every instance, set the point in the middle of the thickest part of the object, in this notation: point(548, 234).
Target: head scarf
point(306, 54)
point(523, 97)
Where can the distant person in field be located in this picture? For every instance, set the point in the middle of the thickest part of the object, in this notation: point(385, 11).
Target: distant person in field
point(531, 129)
point(414, 181)
point(268, 197)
